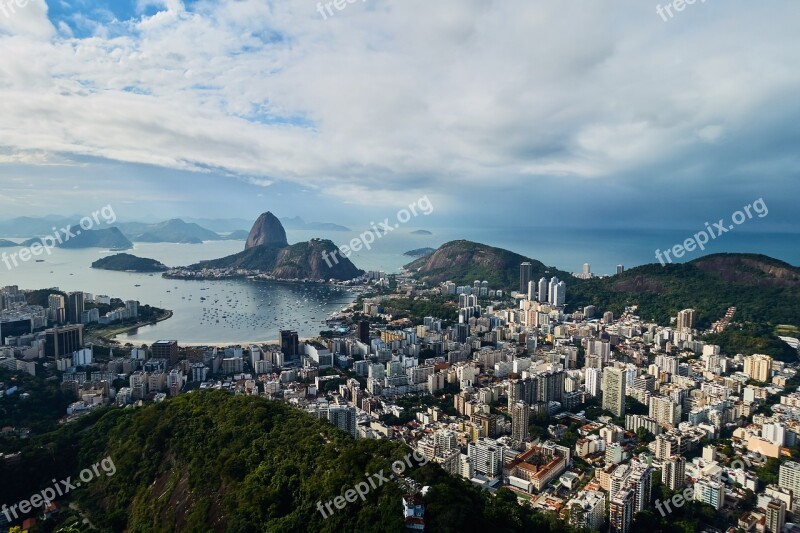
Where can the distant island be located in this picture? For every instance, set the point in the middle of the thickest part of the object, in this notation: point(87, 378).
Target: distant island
point(7, 244)
point(298, 223)
point(129, 263)
point(238, 235)
point(421, 232)
point(420, 252)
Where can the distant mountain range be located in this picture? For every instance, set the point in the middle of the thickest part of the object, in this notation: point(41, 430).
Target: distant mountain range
point(110, 238)
point(171, 231)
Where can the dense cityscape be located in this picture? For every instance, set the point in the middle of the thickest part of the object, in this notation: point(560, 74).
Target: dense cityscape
point(606, 421)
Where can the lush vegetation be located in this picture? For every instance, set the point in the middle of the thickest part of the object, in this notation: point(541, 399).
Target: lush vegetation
point(418, 308)
point(752, 338)
point(662, 291)
point(39, 412)
point(210, 461)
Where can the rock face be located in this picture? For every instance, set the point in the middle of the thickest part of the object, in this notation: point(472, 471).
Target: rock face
point(267, 230)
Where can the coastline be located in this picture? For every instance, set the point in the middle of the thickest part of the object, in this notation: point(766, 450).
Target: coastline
point(110, 336)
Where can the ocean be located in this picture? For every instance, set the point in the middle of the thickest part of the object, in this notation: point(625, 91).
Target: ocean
point(239, 311)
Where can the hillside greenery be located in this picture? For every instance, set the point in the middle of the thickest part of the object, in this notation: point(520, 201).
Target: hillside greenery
point(749, 339)
point(209, 461)
point(660, 292)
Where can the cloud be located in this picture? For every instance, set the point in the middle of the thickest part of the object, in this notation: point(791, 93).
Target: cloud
point(402, 96)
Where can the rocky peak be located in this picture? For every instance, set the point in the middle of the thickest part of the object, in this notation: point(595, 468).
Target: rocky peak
point(267, 230)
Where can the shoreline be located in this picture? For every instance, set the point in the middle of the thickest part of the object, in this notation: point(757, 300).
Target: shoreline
point(110, 336)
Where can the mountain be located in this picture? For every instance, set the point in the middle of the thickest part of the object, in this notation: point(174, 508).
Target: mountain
point(7, 244)
point(304, 260)
point(111, 238)
point(100, 238)
point(267, 231)
point(174, 231)
point(421, 232)
point(464, 262)
point(763, 290)
point(129, 263)
point(22, 226)
point(298, 223)
point(210, 461)
point(238, 235)
point(221, 225)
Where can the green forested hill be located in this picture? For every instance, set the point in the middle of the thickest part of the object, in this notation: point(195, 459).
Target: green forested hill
point(764, 290)
point(208, 461)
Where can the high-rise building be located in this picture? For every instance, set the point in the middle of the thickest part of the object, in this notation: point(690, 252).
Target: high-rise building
point(132, 309)
point(75, 307)
point(520, 418)
point(344, 418)
point(685, 319)
point(57, 308)
point(531, 290)
point(593, 378)
point(776, 516)
point(620, 511)
point(551, 287)
point(290, 344)
point(758, 367)
point(486, 457)
point(665, 411)
point(542, 291)
point(710, 492)
point(789, 476)
point(525, 274)
point(165, 350)
point(587, 268)
point(673, 473)
point(559, 294)
point(363, 332)
point(445, 440)
point(60, 343)
point(588, 510)
point(608, 317)
point(614, 390)
point(620, 269)
point(641, 481)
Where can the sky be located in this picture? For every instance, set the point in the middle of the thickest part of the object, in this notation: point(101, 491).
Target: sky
point(503, 113)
